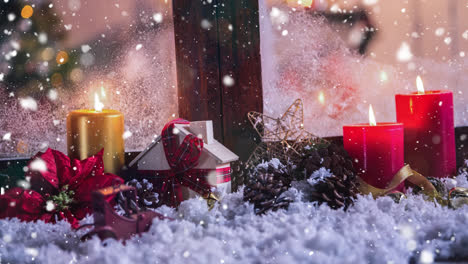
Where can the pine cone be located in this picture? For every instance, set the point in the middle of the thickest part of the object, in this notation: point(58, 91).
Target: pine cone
point(330, 156)
point(265, 187)
point(438, 184)
point(146, 196)
point(464, 168)
point(336, 191)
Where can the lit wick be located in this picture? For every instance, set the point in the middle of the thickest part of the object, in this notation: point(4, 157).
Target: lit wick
point(419, 85)
point(98, 105)
point(372, 121)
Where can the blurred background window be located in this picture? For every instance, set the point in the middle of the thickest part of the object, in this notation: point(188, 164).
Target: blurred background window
point(55, 54)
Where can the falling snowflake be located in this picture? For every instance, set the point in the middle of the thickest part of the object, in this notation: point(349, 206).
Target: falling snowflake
point(38, 165)
point(157, 17)
point(42, 38)
point(52, 94)
point(370, 2)
point(11, 17)
point(50, 206)
point(404, 53)
point(228, 80)
point(28, 103)
point(448, 40)
point(138, 47)
point(7, 136)
point(127, 134)
point(85, 48)
point(205, 24)
point(439, 31)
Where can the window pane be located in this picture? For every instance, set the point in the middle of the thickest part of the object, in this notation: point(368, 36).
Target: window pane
point(341, 56)
point(55, 55)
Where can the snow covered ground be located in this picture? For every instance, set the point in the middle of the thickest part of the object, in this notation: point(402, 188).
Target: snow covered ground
point(372, 231)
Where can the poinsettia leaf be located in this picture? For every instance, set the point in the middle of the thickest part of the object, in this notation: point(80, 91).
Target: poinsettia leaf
point(42, 169)
point(26, 205)
point(93, 183)
point(82, 169)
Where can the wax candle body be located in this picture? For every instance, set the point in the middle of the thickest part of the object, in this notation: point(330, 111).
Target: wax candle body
point(429, 131)
point(89, 131)
point(377, 151)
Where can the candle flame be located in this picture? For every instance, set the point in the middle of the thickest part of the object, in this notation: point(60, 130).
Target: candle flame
point(103, 92)
point(372, 121)
point(321, 98)
point(419, 84)
point(98, 105)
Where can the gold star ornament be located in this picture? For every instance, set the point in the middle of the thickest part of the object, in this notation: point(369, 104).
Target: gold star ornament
point(282, 137)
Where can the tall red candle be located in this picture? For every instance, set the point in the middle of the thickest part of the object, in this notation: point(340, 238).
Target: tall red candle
point(377, 151)
point(429, 131)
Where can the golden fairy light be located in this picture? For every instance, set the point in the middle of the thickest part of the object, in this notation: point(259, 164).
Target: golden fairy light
point(47, 54)
point(27, 11)
point(62, 57)
point(56, 79)
point(372, 121)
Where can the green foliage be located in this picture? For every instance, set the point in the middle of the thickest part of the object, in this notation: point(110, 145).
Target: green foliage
point(25, 63)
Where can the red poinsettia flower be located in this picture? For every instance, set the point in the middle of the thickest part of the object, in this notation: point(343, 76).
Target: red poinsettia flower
point(60, 188)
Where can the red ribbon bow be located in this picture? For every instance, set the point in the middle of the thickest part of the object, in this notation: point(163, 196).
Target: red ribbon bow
point(182, 159)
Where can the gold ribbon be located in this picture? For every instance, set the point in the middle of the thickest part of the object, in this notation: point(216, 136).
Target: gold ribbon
point(404, 174)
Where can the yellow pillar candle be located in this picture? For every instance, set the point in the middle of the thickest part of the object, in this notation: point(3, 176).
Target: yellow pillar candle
point(89, 131)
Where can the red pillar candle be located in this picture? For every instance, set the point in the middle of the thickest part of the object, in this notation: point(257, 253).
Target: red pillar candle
point(428, 122)
point(377, 149)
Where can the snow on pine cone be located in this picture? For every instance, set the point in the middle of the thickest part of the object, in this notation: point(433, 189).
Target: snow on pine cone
point(146, 196)
point(438, 185)
point(329, 156)
point(335, 191)
point(340, 187)
point(265, 186)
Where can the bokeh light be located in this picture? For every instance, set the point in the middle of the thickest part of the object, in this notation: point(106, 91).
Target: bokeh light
point(62, 57)
point(27, 11)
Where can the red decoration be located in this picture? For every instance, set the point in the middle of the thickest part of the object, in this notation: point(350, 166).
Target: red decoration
point(109, 224)
point(182, 158)
point(378, 151)
point(60, 188)
point(429, 131)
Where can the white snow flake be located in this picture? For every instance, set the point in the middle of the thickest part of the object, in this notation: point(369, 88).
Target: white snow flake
point(7, 136)
point(11, 17)
point(158, 17)
point(404, 53)
point(205, 24)
point(52, 94)
point(139, 46)
point(440, 31)
point(228, 80)
point(50, 206)
point(127, 134)
point(42, 38)
point(85, 48)
point(28, 103)
point(38, 164)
